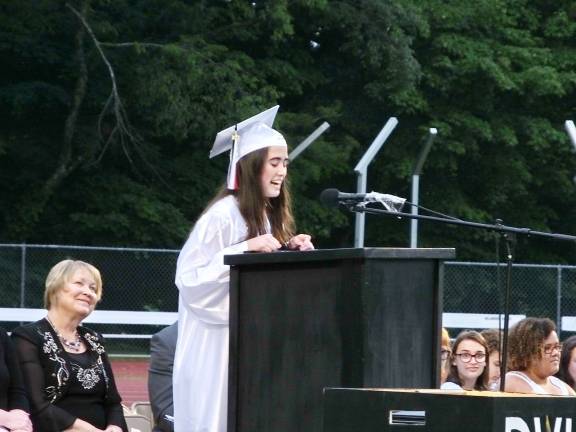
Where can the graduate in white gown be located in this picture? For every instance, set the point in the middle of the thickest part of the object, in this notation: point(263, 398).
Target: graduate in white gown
point(251, 213)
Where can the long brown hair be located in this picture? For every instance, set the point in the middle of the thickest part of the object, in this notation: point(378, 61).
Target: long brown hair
point(482, 380)
point(254, 205)
point(564, 374)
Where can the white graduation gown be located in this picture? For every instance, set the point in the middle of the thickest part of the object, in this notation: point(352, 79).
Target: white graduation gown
point(200, 379)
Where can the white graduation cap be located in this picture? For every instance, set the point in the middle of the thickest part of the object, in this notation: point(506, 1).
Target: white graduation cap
point(245, 137)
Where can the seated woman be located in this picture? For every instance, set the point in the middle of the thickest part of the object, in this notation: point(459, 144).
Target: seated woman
point(567, 372)
point(445, 352)
point(534, 358)
point(13, 401)
point(468, 369)
point(65, 367)
point(493, 338)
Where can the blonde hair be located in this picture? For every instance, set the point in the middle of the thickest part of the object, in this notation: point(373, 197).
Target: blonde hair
point(445, 338)
point(61, 274)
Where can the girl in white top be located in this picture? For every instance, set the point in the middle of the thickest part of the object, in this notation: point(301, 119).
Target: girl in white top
point(567, 372)
point(468, 368)
point(534, 357)
point(252, 213)
point(561, 387)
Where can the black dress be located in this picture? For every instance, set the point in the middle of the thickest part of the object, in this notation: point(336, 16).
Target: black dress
point(12, 393)
point(63, 386)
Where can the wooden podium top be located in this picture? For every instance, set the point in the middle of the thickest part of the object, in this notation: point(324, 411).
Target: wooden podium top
point(472, 393)
point(340, 254)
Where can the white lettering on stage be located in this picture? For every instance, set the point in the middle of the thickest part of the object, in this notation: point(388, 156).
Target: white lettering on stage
point(518, 424)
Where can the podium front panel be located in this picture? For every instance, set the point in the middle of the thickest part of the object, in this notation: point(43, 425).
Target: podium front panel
point(299, 323)
point(387, 410)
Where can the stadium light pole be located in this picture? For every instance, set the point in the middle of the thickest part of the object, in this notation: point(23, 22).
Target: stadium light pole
point(415, 195)
point(311, 138)
point(361, 170)
point(571, 130)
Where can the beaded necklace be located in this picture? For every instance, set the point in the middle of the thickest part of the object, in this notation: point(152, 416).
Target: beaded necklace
point(74, 345)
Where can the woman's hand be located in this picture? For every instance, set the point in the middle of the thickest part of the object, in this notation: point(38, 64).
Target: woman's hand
point(16, 420)
point(82, 426)
point(112, 428)
point(263, 243)
point(302, 242)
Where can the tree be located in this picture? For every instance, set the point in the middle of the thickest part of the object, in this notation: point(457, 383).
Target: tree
point(497, 84)
point(495, 77)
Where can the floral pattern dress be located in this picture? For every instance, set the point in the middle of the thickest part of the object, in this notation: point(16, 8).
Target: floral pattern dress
point(64, 386)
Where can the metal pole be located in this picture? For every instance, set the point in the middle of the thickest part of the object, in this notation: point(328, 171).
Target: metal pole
point(414, 210)
point(361, 170)
point(571, 130)
point(559, 299)
point(360, 216)
point(23, 277)
point(415, 198)
point(311, 138)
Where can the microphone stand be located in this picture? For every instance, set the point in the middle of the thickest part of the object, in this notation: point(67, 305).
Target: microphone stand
point(509, 240)
point(508, 233)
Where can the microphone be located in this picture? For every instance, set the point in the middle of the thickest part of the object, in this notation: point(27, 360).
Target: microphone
point(333, 197)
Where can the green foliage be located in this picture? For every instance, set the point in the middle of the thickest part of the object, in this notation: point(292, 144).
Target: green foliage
point(497, 90)
point(496, 77)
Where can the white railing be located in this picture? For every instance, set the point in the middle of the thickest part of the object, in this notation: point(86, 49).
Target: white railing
point(26, 315)
point(449, 319)
point(477, 321)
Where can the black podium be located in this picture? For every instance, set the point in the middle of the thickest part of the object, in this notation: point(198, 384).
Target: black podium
point(302, 321)
point(385, 410)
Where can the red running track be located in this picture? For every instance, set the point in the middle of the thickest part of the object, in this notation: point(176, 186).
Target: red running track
point(131, 377)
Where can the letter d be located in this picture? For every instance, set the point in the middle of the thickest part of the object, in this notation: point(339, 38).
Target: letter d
point(516, 424)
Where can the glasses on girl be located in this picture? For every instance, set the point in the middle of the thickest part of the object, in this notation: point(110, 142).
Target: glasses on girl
point(480, 357)
point(550, 348)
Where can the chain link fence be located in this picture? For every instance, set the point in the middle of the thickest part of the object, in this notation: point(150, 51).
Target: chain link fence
point(143, 280)
point(536, 290)
point(133, 280)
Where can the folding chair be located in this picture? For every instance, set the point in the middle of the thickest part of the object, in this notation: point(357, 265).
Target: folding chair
point(138, 423)
point(144, 409)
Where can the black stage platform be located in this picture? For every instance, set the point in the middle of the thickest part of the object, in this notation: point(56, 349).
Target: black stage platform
point(394, 410)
